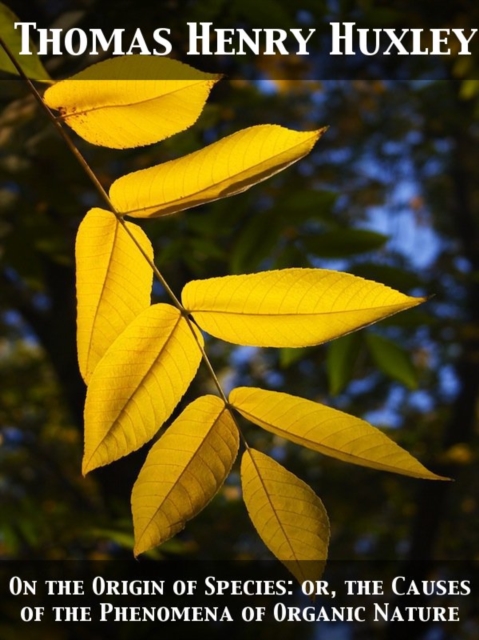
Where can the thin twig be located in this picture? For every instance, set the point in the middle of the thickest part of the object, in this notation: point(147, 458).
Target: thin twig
point(89, 172)
point(57, 122)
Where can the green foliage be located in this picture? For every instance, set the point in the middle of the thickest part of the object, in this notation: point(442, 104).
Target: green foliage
point(344, 242)
point(341, 359)
point(392, 360)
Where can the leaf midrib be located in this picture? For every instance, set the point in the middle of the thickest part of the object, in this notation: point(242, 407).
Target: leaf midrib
point(114, 423)
point(82, 112)
point(100, 298)
point(190, 461)
point(273, 509)
point(279, 431)
point(298, 313)
point(285, 165)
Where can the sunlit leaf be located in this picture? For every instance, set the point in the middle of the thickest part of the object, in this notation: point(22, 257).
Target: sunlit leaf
point(113, 283)
point(183, 471)
point(392, 360)
point(138, 383)
point(31, 65)
point(289, 307)
point(329, 431)
point(131, 101)
point(222, 169)
point(287, 514)
point(340, 361)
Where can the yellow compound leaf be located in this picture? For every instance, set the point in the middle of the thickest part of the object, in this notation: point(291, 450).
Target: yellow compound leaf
point(138, 383)
point(113, 283)
point(290, 307)
point(183, 471)
point(331, 432)
point(287, 514)
point(131, 101)
point(222, 169)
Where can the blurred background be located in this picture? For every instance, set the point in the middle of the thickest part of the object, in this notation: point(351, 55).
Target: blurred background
point(390, 193)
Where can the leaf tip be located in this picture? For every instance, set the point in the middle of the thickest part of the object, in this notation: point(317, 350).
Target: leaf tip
point(435, 476)
point(85, 470)
point(423, 473)
point(89, 464)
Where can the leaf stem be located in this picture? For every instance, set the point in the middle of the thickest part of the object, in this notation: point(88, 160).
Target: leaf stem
point(206, 360)
point(156, 271)
point(89, 171)
point(217, 383)
point(57, 122)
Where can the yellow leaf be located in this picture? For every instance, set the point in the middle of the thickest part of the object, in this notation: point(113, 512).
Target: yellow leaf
point(331, 432)
point(290, 307)
point(131, 101)
point(138, 383)
point(222, 169)
point(113, 283)
point(287, 514)
point(183, 471)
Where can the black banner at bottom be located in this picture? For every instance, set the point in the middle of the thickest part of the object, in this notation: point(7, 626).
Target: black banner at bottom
point(352, 600)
